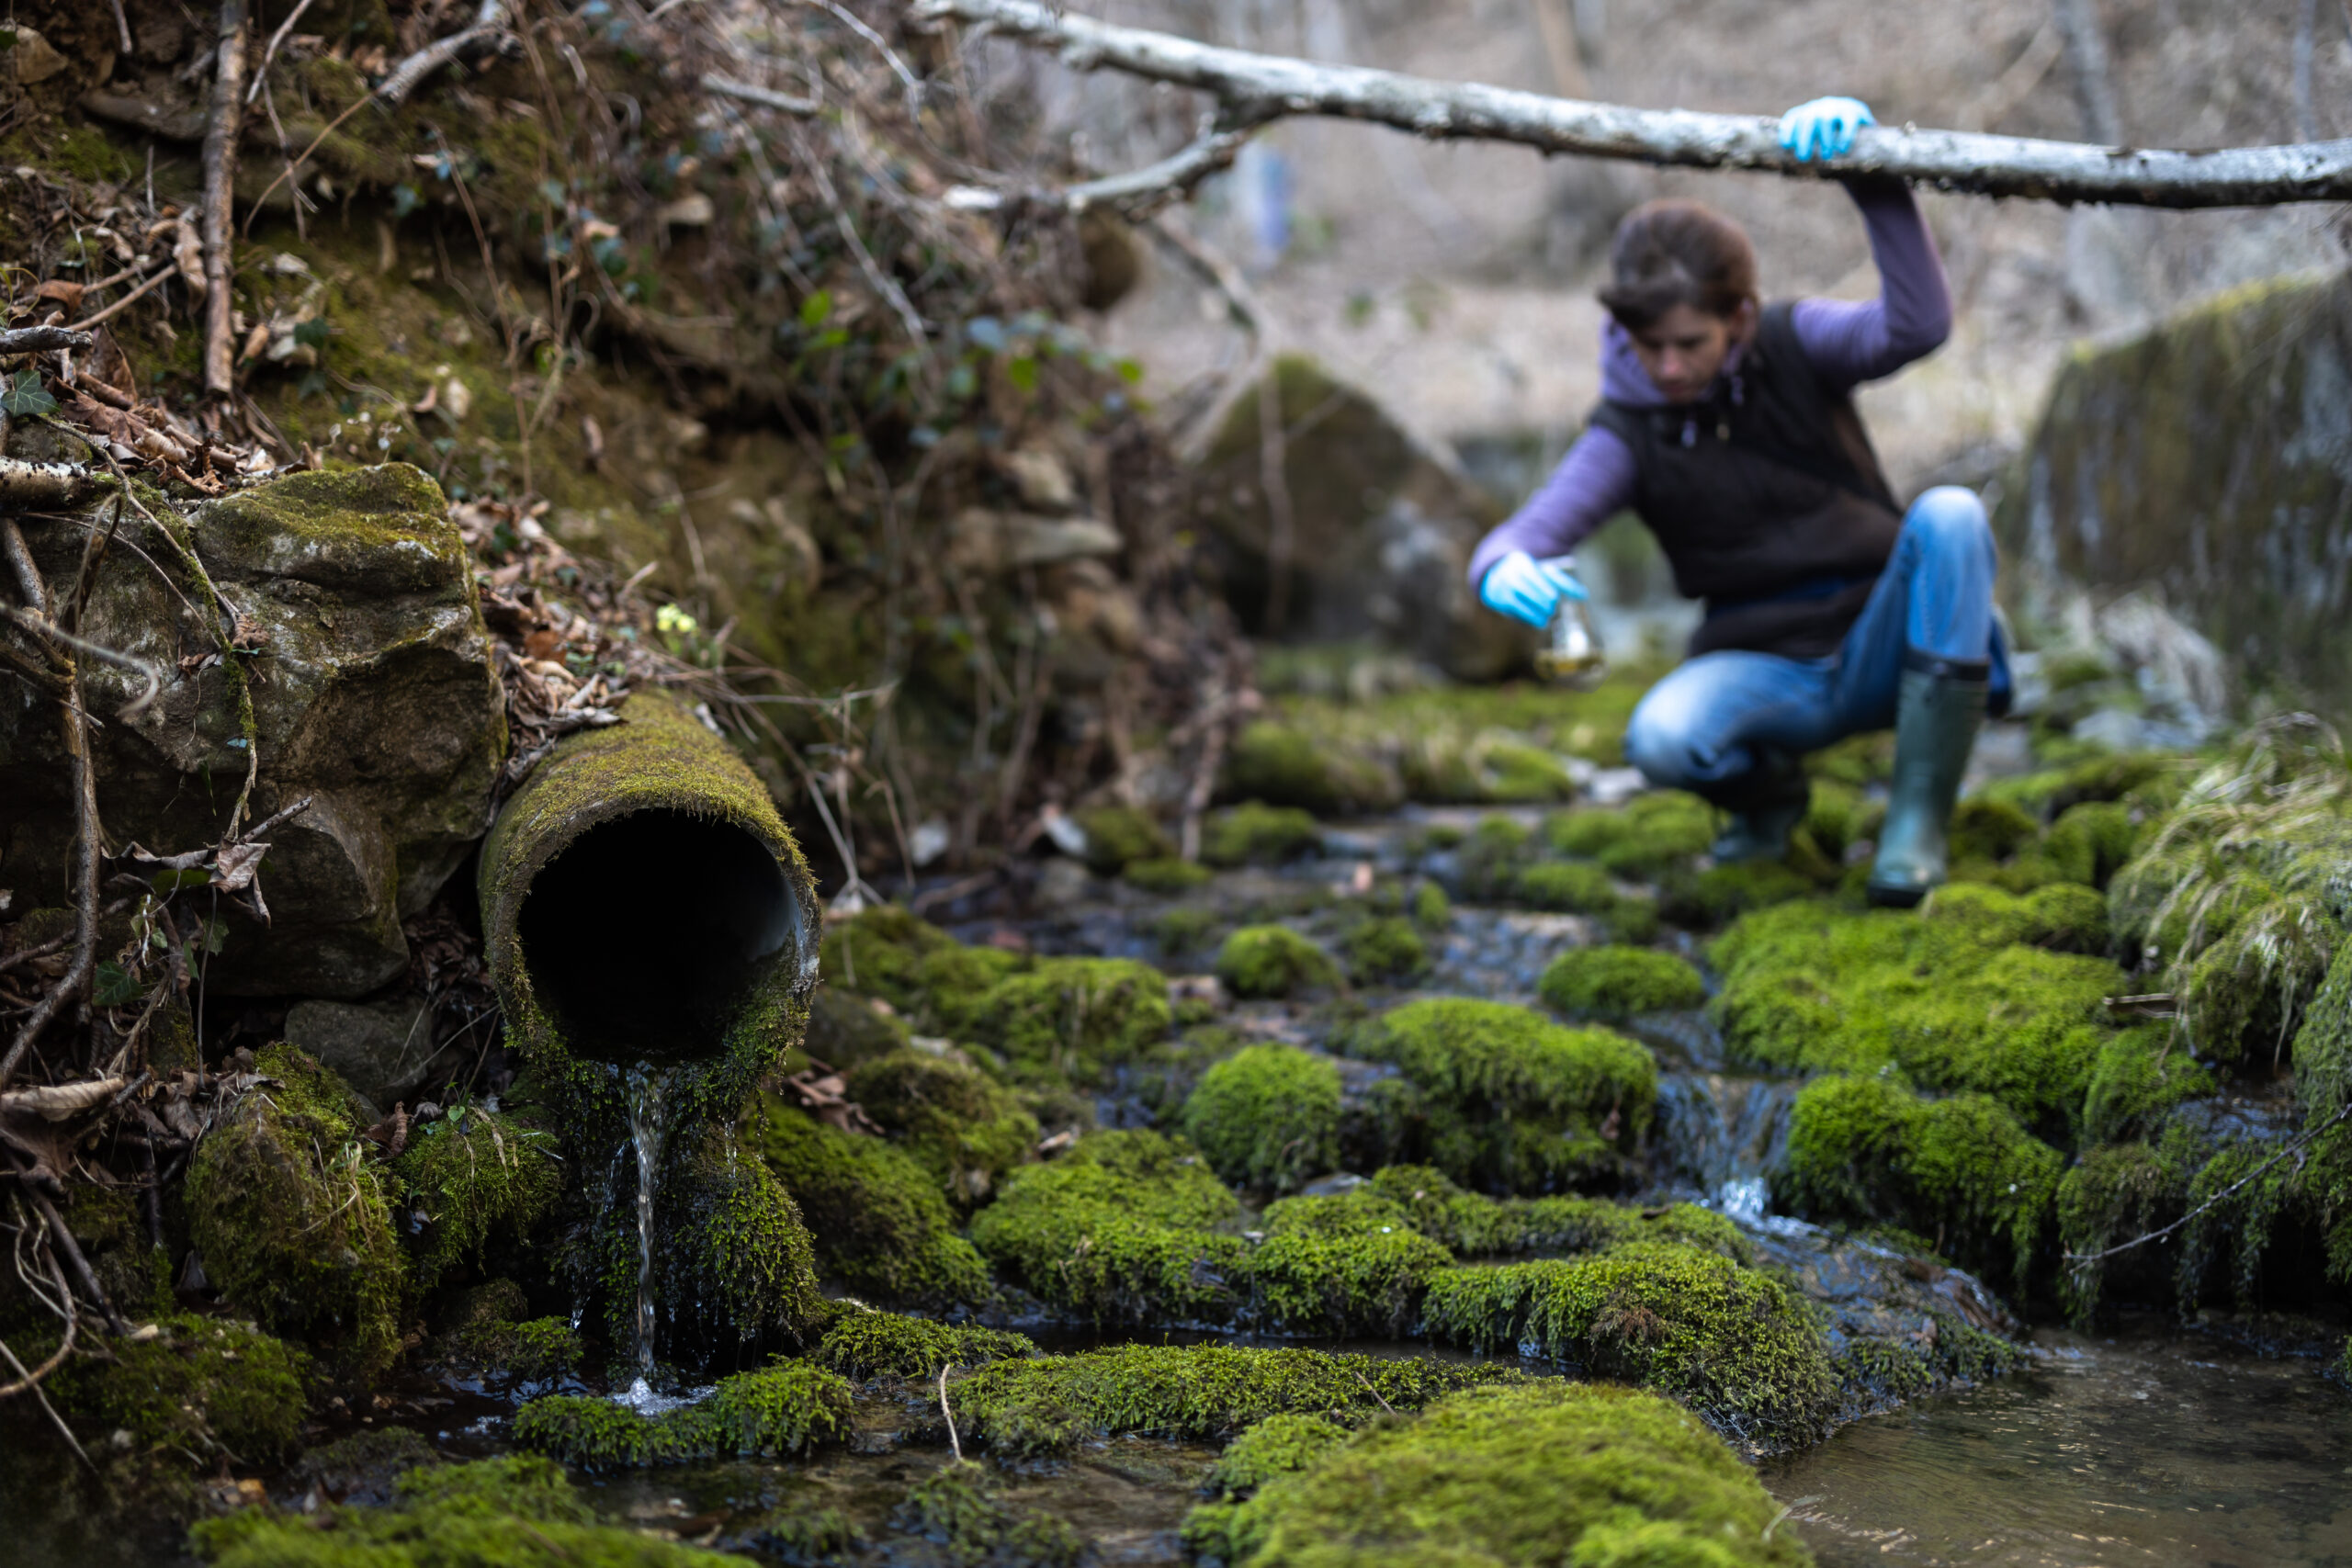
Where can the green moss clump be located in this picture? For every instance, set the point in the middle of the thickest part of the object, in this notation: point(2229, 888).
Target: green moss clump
point(1254, 833)
point(1735, 1344)
point(1267, 1117)
point(293, 1223)
point(1705, 899)
point(517, 1509)
point(1510, 1101)
point(1619, 982)
point(879, 951)
point(1962, 1169)
point(1048, 1405)
point(1167, 875)
point(735, 1262)
point(1282, 765)
point(1280, 1445)
point(1117, 836)
point(533, 1351)
point(879, 1220)
point(1273, 961)
point(1072, 1019)
point(1430, 909)
point(1385, 948)
point(1958, 997)
point(1643, 839)
point(2117, 1193)
point(2140, 1074)
point(1479, 1227)
point(1340, 1267)
point(867, 1344)
point(960, 1125)
point(1583, 1474)
point(845, 1029)
point(473, 1175)
point(1577, 886)
point(203, 1388)
point(1492, 857)
point(1120, 1230)
point(788, 1407)
point(969, 1528)
point(1987, 829)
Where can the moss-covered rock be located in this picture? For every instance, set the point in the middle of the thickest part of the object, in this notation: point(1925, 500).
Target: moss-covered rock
point(533, 1350)
point(1280, 1445)
point(200, 1391)
point(1282, 764)
point(1507, 1101)
point(879, 951)
point(1733, 1343)
point(788, 1407)
point(734, 1261)
point(960, 1125)
point(1267, 1117)
point(1068, 1019)
point(1254, 833)
point(1342, 1267)
point(1273, 961)
point(879, 1221)
point(1048, 1405)
point(474, 1175)
point(1167, 875)
point(956, 1510)
point(1963, 1168)
point(1120, 1230)
point(1585, 1474)
point(1477, 1227)
point(867, 1344)
point(1385, 949)
point(1643, 839)
point(1958, 998)
point(1492, 857)
point(846, 1030)
point(517, 1509)
point(1619, 982)
point(1705, 899)
point(1116, 836)
point(294, 1225)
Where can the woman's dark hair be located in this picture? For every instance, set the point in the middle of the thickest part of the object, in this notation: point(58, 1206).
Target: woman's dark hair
point(1678, 253)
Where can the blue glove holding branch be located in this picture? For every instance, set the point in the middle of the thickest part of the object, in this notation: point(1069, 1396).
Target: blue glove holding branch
point(1526, 588)
point(1824, 128)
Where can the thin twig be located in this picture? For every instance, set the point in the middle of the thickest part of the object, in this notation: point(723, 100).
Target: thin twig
point(768, 97)
point(953, 1441)
point(2298, 1142)
point(270, 54)
point(30, 1382)
point(404, 77)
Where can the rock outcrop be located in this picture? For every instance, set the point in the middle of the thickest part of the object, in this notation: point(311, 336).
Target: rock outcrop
point(2211, 458)
point(329, 622)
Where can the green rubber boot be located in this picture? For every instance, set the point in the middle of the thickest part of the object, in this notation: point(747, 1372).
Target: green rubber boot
point(1766, 804)
point(1942, 702)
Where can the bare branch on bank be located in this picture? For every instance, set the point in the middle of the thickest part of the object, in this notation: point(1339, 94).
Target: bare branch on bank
point(1264, 87)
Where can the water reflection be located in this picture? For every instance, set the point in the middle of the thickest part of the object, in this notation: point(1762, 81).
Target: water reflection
point(2156, 1448)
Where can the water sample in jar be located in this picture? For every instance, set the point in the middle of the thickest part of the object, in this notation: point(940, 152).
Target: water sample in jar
point(1572, 654)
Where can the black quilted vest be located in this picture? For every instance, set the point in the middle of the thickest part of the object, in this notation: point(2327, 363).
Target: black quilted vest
point(1767, 498)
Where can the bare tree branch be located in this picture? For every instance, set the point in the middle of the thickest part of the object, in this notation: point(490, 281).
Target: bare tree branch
point(219, 192)
point(1273, 85)
point(488, 21)
point(41, 339)
point(768, 97)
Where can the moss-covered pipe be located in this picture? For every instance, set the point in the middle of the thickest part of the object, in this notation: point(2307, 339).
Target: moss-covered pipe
point(643, 901)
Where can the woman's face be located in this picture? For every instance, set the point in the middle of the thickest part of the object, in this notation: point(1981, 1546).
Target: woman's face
point(1684, 349)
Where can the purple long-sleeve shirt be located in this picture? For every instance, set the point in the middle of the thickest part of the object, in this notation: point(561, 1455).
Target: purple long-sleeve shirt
point(1847, 342)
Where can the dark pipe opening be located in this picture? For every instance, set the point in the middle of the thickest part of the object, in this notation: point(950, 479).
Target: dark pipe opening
point(644, 934)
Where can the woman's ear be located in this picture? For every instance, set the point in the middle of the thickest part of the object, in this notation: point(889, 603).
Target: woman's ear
point(1744, 320)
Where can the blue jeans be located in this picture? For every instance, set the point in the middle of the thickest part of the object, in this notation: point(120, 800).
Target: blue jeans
point(1697, 729)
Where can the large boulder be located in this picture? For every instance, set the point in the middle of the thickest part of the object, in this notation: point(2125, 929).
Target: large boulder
point(1381, 527)
point(361, 654)
point(2210, 459)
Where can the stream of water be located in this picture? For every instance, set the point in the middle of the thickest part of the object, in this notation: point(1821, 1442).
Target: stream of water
point(648, 1131)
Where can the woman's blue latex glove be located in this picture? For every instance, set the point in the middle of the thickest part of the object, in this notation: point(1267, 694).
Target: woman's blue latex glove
point(1526, 588)
point(1824, 128)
